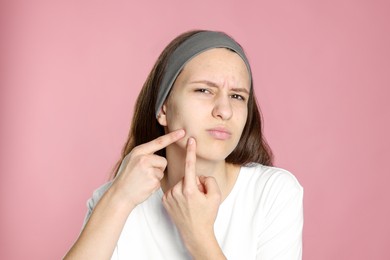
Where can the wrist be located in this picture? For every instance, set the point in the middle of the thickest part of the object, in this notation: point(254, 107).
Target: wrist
point(119, 200)
point(205, 246)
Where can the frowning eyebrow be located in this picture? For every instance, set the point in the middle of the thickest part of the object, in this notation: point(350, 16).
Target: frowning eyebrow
point(214, 85)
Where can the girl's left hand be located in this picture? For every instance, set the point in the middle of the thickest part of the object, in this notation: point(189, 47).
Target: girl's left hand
point(193, 204)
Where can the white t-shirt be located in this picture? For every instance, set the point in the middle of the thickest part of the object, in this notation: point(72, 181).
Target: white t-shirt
point(261, 218)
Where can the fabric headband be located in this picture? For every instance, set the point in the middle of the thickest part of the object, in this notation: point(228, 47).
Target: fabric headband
point(191, 47)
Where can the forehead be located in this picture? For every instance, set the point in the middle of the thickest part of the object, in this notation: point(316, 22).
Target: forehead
point(218, 64)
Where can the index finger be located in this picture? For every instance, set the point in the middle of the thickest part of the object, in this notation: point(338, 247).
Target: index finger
point(161, 142)
point(190, 169)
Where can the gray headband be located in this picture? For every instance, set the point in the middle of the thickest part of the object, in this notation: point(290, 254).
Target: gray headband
point(191, 47)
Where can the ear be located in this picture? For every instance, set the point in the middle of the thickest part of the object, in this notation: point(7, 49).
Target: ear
point(162, 115)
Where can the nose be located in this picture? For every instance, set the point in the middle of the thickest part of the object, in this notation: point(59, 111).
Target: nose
point(222, 108)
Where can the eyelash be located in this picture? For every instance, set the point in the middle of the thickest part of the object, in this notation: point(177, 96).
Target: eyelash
point(239, 97)
point(206, 91)
point(203, 90)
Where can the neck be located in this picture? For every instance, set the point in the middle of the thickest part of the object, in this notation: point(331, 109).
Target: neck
point(224, 173)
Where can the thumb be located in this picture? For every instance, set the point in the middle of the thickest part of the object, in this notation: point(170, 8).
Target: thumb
point(200, 185)
point(210, 185)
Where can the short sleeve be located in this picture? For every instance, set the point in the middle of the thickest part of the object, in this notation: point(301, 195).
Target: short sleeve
point(280, 235)
point(98, 193)
point(91, 203)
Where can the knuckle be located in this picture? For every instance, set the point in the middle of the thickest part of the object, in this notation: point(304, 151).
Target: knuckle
point(159, 141)
point(176, 191)
point(188, 191)
point(164, 162)
point(171, 194)
point(168, 195)
point(164, 199)
point(143, 160)
point(160, 174)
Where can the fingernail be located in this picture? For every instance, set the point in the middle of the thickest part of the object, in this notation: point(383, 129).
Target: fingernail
point(191, 140)
point(180, 132)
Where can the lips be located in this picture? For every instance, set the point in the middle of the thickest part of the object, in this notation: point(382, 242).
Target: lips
point(219, 133)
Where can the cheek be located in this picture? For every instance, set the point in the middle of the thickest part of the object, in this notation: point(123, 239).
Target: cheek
point(240, 124)
point(187, 120)
point(177, 121)
point(241, 117)
point(244, 119)
point(177, 118)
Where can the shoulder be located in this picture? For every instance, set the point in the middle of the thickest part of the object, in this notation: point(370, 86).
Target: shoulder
point(268, 176)
point(269, 185)
point(274, 192)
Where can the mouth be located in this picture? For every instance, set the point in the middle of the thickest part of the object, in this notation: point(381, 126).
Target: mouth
point(219, 133)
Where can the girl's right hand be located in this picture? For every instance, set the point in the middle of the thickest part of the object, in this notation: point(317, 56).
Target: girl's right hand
point(143, 169)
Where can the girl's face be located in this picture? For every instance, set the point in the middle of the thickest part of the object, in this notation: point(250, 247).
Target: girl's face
point(209, 100)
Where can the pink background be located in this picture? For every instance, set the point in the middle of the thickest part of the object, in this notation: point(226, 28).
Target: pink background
point(71, 70)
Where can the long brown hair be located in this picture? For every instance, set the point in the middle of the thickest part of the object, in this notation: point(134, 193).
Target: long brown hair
point(252, 146)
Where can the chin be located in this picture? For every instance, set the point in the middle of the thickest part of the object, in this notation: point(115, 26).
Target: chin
point(213, 153)
point(210, 158)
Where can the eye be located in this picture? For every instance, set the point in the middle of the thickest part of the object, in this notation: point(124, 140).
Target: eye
point(239, 97)
point(203, 90)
